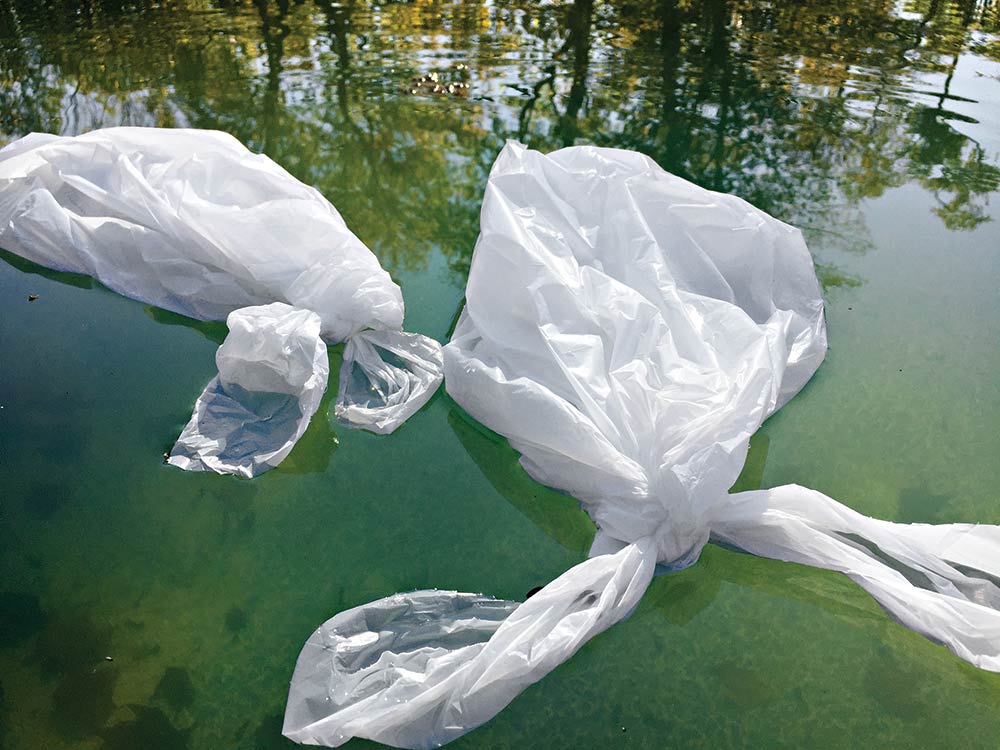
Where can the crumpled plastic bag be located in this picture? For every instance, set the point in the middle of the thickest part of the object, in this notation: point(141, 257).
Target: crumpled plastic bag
point(628, 332)
point(273, 370)
point(193, 222)
point(386, 377)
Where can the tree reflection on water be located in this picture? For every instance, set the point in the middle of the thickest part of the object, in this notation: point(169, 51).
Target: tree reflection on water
point(803, 108)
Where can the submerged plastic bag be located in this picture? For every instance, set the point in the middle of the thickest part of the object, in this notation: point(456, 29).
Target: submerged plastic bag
point(627, 332)
point(193, 222)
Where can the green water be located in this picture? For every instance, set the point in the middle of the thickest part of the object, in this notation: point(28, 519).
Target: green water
point(875, 126)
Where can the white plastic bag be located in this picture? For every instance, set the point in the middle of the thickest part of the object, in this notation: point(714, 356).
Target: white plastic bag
point(273, 369)
point(386, 377)
point(628, 332)
point(191, 221)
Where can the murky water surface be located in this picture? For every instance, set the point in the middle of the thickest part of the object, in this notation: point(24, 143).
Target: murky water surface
point(874, 126)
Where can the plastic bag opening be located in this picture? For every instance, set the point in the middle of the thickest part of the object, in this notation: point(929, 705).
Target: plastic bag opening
point(386, 376)
point(273, 370)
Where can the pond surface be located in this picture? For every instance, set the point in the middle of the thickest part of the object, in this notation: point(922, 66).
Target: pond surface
point(874, 126)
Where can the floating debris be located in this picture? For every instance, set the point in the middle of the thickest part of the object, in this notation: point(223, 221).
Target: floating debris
point(435, 83)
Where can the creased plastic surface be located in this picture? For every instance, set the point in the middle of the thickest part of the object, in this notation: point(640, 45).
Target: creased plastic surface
point(190, 221)
point(417, 670)
point(193, 222)
point(385, 377)
point(628, 332)
point(273, 370)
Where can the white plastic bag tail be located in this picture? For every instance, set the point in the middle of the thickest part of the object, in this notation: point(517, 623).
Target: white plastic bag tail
point(628, 332)
point(938, 580)
point(193, 222)
point(273, 370)
point(386, 376)
point(417, 670)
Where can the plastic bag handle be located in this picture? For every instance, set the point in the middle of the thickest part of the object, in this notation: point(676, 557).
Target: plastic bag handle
point(355, 678)
point(938, 580)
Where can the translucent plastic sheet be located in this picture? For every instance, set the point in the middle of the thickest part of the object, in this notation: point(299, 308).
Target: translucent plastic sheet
point(193, 222)
point(628, 332)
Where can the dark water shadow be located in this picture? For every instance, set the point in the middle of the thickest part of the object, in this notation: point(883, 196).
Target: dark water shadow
point(213, 330)
point(746, 689)
point(70, 643)
point(237, 620)
point(752, 475)
point(3, 721)
point(71, 650)
point(150, 729)
point(83, 701)
point(175, 689)
point(79, 280)
point(267, 735)
point(917, 504)
point(313, 451)
point(558, 515)
point(44, 499)
point(21, 616)
point(682, 596)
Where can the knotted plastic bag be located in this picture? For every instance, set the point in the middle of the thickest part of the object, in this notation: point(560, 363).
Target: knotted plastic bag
point(628, 332)
point(193, 222)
